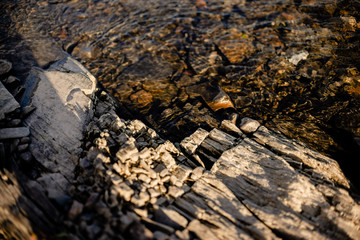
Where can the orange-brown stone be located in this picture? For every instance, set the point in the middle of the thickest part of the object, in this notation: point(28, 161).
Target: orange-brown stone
point(141, 98)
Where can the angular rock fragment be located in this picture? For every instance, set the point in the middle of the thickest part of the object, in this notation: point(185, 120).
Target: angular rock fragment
point(7, 102)
point(249, 125)
point(190, 144)
point(9, 133)
point(295, 59)
point(231, 128)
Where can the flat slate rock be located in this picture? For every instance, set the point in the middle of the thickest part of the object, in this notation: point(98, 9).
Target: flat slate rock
point(321, 165)
point(9, 133)
point(7, 102)
point(63, 108)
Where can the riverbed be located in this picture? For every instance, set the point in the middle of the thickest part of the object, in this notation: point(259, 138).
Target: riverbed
point(180, 65)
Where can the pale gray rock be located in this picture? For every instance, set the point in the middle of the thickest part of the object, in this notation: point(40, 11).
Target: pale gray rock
point(11, 80)
point(249, 125)
point(229, 127)
point(14, 123)
point(214, 202)
point(296, 58)
point(9, 133)
point(158, 235)
point(191, 143)
point(63, 108)
point(284, 199)
point(7, 102)
point(22, 147)
point(319, 164)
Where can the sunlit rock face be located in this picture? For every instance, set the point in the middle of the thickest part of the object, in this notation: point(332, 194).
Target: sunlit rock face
point(181, 65)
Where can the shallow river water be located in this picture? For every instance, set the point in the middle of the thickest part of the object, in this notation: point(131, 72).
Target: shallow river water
point(179, 65)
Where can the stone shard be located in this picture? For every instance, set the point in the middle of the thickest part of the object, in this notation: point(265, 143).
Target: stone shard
point(7, 102)
point(296, 58)
point(249, 125)
point(9, 133)
point(231, 128)
point(190, 143)
point(63, 110)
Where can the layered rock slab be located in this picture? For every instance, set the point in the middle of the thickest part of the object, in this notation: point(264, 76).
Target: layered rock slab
point(7, 102)
point(63, 108)
point(284, 198)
